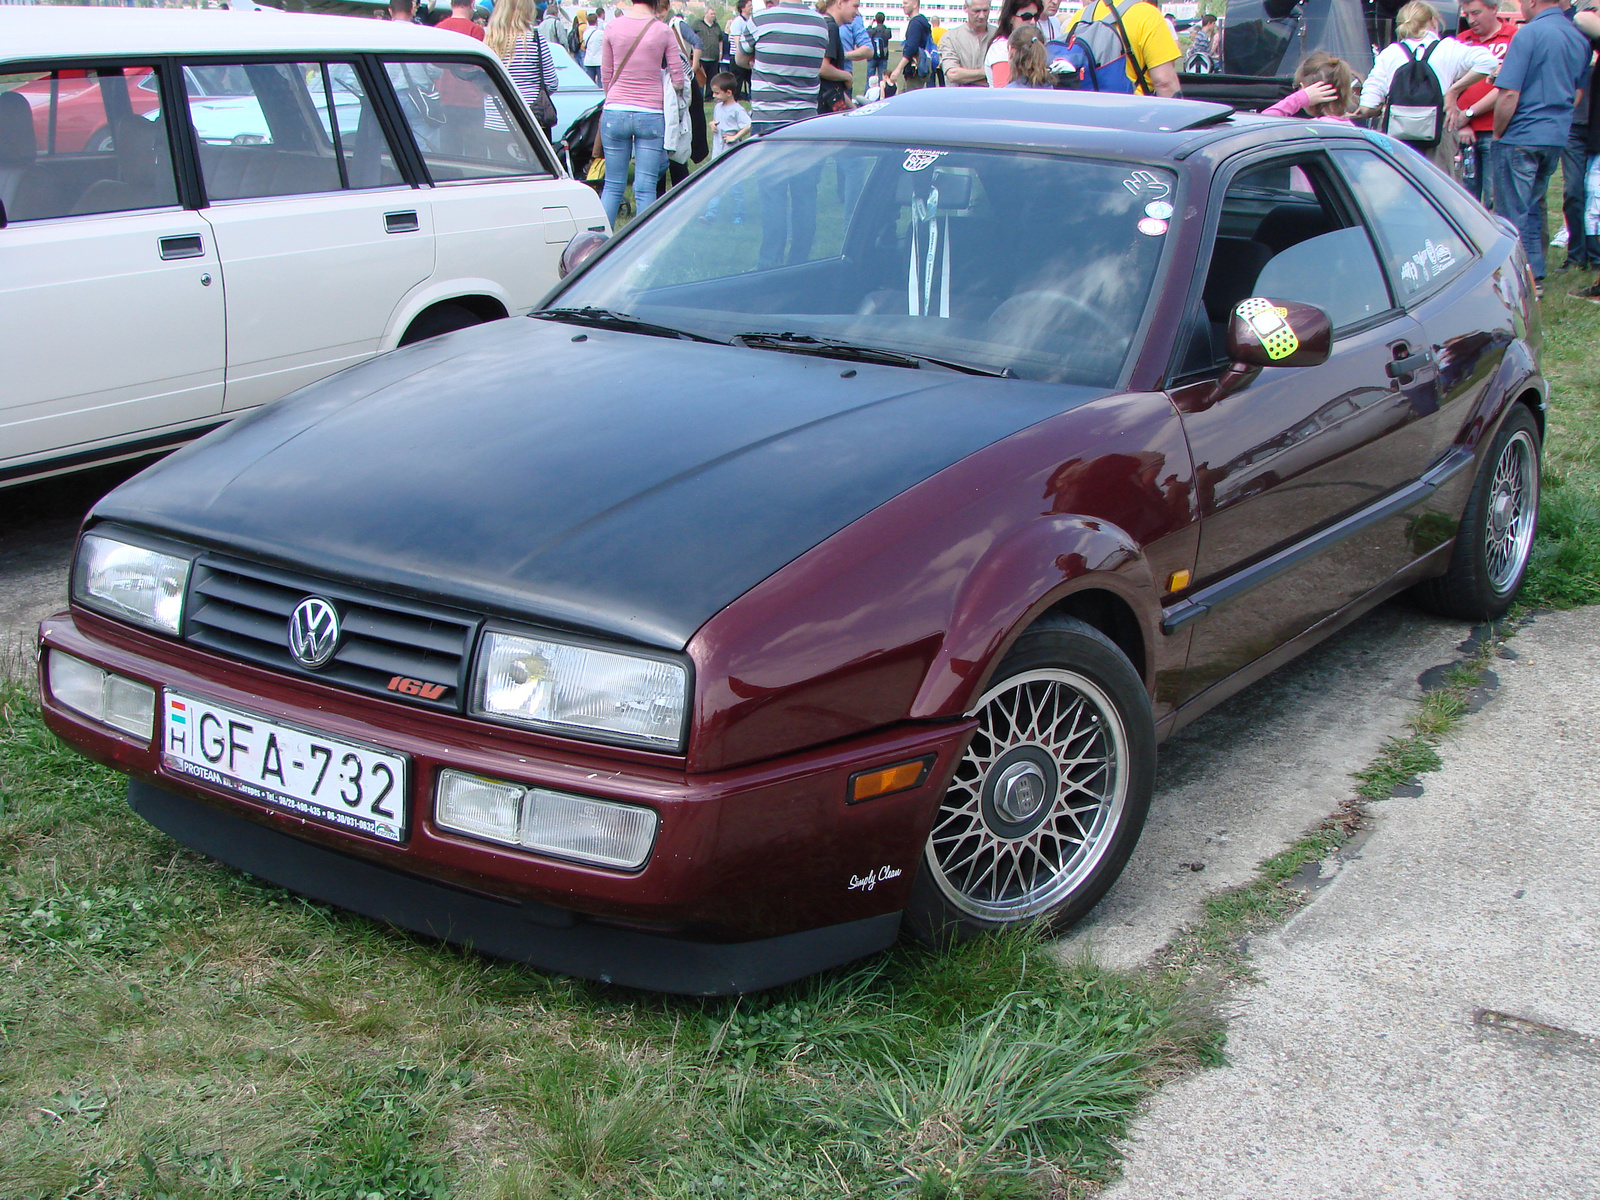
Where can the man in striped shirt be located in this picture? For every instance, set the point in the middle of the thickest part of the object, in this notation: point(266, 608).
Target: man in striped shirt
point(783, 46)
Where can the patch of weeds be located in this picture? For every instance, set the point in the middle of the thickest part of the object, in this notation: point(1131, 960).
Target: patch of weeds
point(112, 920)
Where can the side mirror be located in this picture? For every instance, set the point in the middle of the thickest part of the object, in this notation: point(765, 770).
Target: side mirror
point(580, 248)
point(1272, 333)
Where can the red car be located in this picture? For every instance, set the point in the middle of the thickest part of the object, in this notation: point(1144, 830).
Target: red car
point(785, 583)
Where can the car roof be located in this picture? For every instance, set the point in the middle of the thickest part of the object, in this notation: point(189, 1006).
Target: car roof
point(1141, 126)
point(34, 33)
point(1116, 126)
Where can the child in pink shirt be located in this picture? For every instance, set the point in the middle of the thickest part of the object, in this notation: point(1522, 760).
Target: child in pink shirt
point(1325, 90)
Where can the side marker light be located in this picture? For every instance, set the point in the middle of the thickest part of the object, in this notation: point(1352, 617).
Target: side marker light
point(869, 785)
point(1177, 581)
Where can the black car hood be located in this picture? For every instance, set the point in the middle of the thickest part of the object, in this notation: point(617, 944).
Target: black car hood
point(624, 484)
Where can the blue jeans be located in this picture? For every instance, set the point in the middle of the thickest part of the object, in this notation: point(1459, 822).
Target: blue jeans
point(1521, 175)
point(737, 192)
point(635, 136)
point(1481, 182)
point(1582, 250)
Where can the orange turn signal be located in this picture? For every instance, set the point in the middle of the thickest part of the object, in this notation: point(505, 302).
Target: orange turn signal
point(869, 785)
point(1177, 581)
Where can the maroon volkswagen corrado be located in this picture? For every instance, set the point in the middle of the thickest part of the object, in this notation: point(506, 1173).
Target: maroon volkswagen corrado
point(782, 584)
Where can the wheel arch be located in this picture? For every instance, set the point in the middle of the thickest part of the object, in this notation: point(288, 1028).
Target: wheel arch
point(1075, 566)
point(483, 297)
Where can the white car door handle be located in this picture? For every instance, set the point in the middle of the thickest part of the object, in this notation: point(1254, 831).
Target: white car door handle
point(186, 245)
point(400, 222)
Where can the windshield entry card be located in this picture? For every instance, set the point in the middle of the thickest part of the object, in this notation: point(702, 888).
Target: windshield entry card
point(317, 776)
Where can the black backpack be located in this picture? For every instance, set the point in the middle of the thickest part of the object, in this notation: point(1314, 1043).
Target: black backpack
point(1416, 101)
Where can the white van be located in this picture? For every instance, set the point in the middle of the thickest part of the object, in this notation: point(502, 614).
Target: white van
point(202, 211)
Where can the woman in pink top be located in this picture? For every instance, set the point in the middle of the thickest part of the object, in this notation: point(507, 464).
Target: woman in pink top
point(1325, 90)
point(637, 48)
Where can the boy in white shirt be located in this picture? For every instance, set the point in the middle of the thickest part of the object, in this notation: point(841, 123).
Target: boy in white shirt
point(732, 125)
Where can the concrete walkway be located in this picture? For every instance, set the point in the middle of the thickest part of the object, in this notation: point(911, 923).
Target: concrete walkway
point(1430, 1025)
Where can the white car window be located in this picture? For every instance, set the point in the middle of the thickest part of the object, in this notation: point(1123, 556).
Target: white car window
point(462, 122)
point(285, 129)
point(82, 141)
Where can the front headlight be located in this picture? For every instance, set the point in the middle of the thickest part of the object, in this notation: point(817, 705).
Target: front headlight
point(581, 690)
point(131, 582)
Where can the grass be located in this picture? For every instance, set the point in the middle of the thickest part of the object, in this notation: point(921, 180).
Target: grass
point(170, 1028)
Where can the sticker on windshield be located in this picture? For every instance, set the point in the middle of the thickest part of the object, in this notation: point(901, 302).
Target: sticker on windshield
point(1151, 227)
point(1159, 209)
point(1379, 139)
point(921, 160)
point(1147, 183)
point(1270, 325)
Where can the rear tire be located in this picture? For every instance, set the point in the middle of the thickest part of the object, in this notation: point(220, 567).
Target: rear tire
point(446, 318)
point(1049, 800)
point(1495, 538)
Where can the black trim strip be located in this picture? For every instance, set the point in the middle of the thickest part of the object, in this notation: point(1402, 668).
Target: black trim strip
point(546, 937)
point(166, 441)
point(1201, 604)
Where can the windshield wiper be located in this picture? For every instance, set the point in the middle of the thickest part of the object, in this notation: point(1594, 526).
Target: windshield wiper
point(604, 318)
point(804, 343)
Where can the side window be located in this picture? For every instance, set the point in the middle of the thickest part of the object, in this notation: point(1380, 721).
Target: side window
point(461, 121)
point(285, 129)
point(75, 142)
point(1282, 234)
point(1421, 248)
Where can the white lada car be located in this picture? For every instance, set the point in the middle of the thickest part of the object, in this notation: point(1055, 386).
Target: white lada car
point(203, 211)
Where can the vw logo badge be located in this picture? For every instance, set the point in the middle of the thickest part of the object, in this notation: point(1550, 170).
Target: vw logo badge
point(313, 632)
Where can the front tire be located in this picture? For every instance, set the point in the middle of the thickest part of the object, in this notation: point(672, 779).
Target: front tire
point(1495, 538)
point(1049, 800)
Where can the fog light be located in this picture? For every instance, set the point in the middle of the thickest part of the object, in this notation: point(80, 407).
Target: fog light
point(478, 807)
point(579, 827)
point(103, 696)
point(597, 831)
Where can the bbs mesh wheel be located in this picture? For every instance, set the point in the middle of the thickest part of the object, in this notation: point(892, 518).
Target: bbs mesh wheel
point(1048, 802)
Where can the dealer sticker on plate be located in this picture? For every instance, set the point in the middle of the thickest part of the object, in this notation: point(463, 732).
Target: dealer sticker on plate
point(307, 773)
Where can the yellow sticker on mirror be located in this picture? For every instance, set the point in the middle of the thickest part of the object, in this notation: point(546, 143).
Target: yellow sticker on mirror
point(1270, 326)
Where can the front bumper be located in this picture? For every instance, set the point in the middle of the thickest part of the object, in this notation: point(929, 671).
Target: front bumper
point(758, 875)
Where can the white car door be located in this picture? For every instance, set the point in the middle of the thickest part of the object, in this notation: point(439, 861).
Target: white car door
point(500, 213)
point(111, 305)
point(318, 234)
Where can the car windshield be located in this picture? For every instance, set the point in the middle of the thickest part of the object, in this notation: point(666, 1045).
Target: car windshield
point(1029, 264)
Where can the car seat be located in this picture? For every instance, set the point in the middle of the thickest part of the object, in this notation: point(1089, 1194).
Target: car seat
point(144, 178)
point(18, 145)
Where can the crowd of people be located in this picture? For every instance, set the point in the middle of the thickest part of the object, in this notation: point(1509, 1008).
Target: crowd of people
point(1500, 103)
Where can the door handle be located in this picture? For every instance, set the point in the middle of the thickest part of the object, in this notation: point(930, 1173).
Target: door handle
point(1405, 365)
point(401, 222)
point(185, 245)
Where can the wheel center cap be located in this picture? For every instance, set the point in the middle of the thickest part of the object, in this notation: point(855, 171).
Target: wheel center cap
point(1501, 515)
point(1020, 791)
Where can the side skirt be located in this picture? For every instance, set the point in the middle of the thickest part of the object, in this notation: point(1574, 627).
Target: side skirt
point(1430, 564)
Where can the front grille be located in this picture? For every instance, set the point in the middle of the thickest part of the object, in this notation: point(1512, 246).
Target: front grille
point(242, 610)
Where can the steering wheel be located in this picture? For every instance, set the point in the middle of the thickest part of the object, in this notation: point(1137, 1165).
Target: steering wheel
point(1047, 305)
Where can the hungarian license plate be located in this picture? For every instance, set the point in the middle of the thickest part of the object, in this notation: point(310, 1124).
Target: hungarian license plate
point(308, 773)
